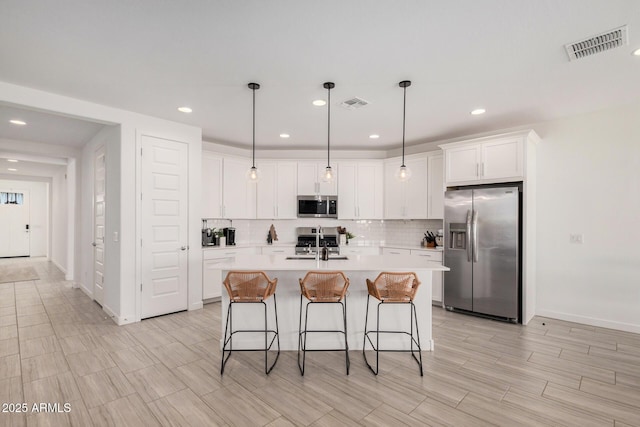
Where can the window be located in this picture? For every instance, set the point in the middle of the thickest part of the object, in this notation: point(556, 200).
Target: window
point(11, 198)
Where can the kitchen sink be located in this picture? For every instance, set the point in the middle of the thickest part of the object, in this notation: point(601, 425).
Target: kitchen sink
point(299, 257)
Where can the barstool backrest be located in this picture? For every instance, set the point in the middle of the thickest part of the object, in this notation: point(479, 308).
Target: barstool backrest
point(394, 287)
point(324, 286)
point(249, 286)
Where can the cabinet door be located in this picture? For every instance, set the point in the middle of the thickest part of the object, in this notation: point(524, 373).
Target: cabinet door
point(395, 251)
point(307, 178)
point(212, 278)
point(462, 163)
point(369, 190)
point(416, 189)
point(436, 187)
point(502, 159)
point(211, 186)
point(286, 190)
point(266, 190)
point(348, 190)
point(393, 192)
point(239, 195)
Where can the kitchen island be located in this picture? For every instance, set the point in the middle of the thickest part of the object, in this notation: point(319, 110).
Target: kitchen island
point(357, 268)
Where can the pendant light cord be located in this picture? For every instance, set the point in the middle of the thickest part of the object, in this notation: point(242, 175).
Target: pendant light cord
point(254, 128)
point(404, 108)
point(328, 124)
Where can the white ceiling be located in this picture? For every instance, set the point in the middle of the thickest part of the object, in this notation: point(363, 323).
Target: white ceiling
point(151, 57)
point(28, 168)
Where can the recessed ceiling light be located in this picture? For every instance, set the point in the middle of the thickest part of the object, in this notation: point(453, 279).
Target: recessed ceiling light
point(12, 160)
point(185, 109)
point(478, 111)
point(12, 169)
point(284, 135)
point(636, 52)
point(319, 102)
point(374, 136)
point(17, 122)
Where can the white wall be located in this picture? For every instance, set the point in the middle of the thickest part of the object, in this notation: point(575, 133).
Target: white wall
point(39, 212)
point(59, 232)
point(588, 171)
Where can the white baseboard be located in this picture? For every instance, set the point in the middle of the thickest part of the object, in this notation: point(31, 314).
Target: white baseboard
point(591, 321)
point(120, 320)
point(61, 268)
point(196, 306)
point(84, 289)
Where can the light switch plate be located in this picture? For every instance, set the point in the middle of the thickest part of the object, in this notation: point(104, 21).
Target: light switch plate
point(576, 238)
point(115, 236)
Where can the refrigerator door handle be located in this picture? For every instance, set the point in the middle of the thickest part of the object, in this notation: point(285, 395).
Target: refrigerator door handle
point(468, 235)
point(474, 224)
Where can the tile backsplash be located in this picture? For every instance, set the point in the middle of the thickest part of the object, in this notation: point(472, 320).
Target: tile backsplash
point(368, 232)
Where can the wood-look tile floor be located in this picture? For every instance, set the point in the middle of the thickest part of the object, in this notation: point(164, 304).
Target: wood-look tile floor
point(57, 346)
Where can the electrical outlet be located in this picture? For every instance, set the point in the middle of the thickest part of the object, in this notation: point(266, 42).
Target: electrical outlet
point(575, 238)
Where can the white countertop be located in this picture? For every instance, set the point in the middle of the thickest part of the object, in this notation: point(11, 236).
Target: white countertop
point(351, 245)
point(354, 263)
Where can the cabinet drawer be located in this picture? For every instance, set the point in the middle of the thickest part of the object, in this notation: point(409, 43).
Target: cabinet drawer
point(362, 250)
point(288, 250)
point(394, 251)
point(431, 255)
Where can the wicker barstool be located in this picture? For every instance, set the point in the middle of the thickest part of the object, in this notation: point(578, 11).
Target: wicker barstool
point(392, 288)
point(250, 287)
point(322, 287)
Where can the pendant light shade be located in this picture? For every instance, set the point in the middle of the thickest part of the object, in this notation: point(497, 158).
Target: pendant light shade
point(329, 174)
point(403, 173)
point(253, 174)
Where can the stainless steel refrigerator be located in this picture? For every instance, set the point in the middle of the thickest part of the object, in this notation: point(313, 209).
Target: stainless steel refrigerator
point(483, 250)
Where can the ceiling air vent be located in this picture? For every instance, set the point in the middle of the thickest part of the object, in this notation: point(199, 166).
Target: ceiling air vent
point(599, 43)
point(354, 103)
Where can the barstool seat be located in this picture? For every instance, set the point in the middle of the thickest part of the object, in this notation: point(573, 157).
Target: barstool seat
point(392, 288)
point(250, 287)
point(322, 287)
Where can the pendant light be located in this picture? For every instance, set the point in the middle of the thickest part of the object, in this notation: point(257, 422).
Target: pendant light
point(329, 174)
point(403, 173)
point(253, 175)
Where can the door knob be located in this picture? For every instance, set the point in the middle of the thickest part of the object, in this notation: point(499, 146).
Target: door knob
point(94, 244)
point(183, 248)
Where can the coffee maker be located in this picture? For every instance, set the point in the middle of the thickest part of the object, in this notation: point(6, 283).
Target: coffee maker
point(230, 235)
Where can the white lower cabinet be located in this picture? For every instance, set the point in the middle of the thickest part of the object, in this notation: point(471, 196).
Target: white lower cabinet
point(359, 250)
point(279, 250)
point(211, 271)
point(437, 293)
point(396, 251)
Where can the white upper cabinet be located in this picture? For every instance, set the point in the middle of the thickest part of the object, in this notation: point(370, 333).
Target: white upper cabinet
point(276, 190)
point(310, 179)
point(360, 190)
point(238, 193)
point(406, 200)
point(486, 160)
point(226, 193)
point(435, 192)
point(211, 186)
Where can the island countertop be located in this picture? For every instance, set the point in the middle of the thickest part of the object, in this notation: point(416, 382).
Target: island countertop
point(352, 263)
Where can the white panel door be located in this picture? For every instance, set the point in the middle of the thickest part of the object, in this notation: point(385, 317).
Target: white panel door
point(416, 189)
point(502, 159)
point(14, 223)
point(266, 198)
point(394, 191)
point(164, 219)
point(369, 190)
point(238, 194)
point(286, 189)
point(99, 188)
point(211, 186)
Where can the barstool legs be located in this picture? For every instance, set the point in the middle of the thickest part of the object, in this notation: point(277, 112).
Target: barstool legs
point(302, 334)
point(414, 339)
point(229, 332)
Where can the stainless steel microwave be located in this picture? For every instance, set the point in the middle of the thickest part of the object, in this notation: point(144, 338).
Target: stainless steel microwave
point(317, 206)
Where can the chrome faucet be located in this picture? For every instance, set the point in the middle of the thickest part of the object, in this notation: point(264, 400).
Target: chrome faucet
point(318, 237)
